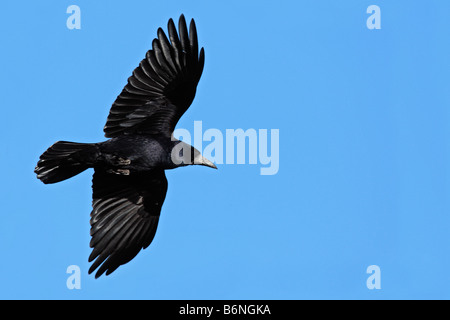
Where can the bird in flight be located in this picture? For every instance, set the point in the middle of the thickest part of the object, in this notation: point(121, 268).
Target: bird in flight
point(129, 183)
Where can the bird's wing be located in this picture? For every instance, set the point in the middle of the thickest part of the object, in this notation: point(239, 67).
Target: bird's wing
point(124, 217)
point(162, 88)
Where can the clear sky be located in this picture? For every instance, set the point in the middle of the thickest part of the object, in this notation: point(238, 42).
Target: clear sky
point(363, 126)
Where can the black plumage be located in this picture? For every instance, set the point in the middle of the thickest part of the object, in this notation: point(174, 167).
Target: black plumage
point(129, 183)
point(162, 88)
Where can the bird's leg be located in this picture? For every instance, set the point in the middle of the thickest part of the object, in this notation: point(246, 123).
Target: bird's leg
point(123, 162)
point(123, 172)
point(119, 165)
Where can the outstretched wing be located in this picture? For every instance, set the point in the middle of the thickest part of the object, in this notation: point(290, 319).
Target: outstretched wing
point(124, 217)
point(162, 88)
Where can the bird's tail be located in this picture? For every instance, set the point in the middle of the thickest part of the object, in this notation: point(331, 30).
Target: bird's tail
point(64, 160)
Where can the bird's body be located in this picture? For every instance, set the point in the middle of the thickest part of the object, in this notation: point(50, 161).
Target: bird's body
point(136, 153)
point(129, 183)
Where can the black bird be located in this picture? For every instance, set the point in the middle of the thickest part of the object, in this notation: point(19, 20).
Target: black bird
point(129, 184)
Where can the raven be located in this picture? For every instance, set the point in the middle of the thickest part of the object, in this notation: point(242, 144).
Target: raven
point(129, 183)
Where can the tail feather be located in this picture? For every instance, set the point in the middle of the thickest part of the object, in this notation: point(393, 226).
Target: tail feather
point(62, 161)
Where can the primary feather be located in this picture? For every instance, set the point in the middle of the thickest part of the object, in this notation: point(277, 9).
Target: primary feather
point(162, 87)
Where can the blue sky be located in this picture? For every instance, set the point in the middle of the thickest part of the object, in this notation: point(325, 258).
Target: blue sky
point(363, 177)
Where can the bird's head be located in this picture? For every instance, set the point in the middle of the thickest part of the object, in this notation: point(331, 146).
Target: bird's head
point(184, 154)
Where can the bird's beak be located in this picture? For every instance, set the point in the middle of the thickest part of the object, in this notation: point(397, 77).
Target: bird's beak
point(200, 160)
point(208, 163)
